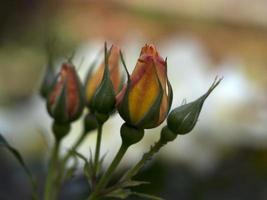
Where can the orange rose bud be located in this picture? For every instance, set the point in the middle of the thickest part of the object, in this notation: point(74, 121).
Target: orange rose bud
point(65, 102)
point(95, 79)
point(146, 99)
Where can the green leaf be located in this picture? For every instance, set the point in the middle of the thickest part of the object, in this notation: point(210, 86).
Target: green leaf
point(132, 183)
point(70, 172)
point(146, 196)
point(16, 154)
point(100, 164)
point(120, 193)
point(87, 169)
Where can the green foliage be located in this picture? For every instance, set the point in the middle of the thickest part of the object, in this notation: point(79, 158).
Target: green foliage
point(16, 154)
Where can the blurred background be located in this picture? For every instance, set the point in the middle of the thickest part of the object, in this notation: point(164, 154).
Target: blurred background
point(224, 158)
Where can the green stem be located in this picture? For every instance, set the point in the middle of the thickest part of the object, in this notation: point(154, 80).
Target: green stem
point(96, 158)
point(132, 172)
point(147, 156)
point(107, 176)
point(98, 146)
point(50, 192)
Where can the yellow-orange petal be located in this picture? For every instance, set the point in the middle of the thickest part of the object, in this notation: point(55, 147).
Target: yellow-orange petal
point(143, 92)
point(72, 91)
point(114, 69)
point(115, 76)
point(149, 50)
point(69, 77)
point(93, 82)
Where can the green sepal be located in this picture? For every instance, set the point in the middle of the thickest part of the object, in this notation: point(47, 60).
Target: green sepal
point(58, 110)
point(123, 107)
point(184, 118)
point(60, 130)
point(90, 123)
point(101, 117)
point(131, 135)
point(104, 98)
point(170, 95)
point(167, 135)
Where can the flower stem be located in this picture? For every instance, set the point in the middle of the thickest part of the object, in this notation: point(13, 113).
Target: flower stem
point(107, 176)
point(98, 146)
point(133, 171)
point(51, 179)
point(147, 156)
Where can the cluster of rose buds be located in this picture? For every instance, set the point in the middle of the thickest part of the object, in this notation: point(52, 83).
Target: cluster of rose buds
point(143, 101)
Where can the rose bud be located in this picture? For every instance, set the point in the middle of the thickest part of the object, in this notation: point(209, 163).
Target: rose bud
point(65, 102)
point(102, 86)
point(184, 118)
point(145, 100)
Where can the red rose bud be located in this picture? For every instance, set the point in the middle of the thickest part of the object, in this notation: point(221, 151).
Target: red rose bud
point(146, 99)
point(102, 86)
point(65, 102)
point(184, 118)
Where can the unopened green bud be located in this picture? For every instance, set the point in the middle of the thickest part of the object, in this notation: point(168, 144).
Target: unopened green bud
point(131, 135)
point(184, 118)
point(103, 99)
point(60, 130)
point(167, 135)
point(90, 123)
